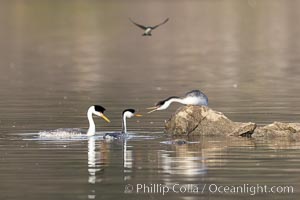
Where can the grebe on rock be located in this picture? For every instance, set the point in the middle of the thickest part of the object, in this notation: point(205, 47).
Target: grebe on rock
point(194, 97)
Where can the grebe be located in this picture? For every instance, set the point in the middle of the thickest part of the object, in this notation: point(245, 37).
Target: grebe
point(96, 110)
point(68, 132)
point(128, 113)
point(194, 97)
point(148, 29)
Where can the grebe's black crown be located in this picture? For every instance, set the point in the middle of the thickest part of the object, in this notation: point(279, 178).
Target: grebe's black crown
point(130, 110)
point(99, 108)
point(162, 102)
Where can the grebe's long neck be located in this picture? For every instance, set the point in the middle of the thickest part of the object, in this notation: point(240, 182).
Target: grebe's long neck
point(92, 128)
point(175, 99)
point(178, 100)
point(124, 127)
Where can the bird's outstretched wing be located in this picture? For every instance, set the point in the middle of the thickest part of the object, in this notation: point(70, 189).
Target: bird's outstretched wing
point(138, 25)
point(154, 27)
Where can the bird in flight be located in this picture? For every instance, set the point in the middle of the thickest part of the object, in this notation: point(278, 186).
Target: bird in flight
point(148, 29)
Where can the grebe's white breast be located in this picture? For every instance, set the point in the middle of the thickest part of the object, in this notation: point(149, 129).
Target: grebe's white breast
point(196, 101)
point(196, 97)
point(193, 101)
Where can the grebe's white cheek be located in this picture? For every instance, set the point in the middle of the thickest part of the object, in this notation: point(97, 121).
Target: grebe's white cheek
point(97, 113)
point(129, 114)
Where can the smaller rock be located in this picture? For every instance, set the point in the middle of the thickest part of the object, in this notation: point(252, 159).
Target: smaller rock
point(176, 142)
point(279, 129)
point(243, 129)
point(179, 142)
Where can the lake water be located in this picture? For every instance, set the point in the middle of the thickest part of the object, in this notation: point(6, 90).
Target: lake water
point(59, 57)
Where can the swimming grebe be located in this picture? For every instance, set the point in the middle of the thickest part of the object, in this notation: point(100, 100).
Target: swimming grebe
point(128, 113)
point(96, 110)
point(69, 132)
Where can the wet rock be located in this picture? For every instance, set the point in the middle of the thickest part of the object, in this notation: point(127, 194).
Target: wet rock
point(179, 142)
point(176, 142)
point(279, 129)
point(201, 120)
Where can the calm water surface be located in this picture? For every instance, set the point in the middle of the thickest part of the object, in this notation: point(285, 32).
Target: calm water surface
point(59, 57)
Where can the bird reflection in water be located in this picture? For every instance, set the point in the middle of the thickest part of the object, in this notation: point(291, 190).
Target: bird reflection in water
point(96, 160)
point(182, 161)
point(93, 158)
point(127, 161)
point(92, 165)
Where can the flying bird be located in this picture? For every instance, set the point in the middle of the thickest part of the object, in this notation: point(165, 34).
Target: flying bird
point(148, 29)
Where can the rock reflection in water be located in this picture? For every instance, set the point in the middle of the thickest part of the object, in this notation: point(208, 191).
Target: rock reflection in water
point(196, 158)
point(182, 161)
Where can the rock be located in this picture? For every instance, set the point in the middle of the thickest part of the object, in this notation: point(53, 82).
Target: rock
point(176, 142)
point(279, 129)
point(201, 120)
